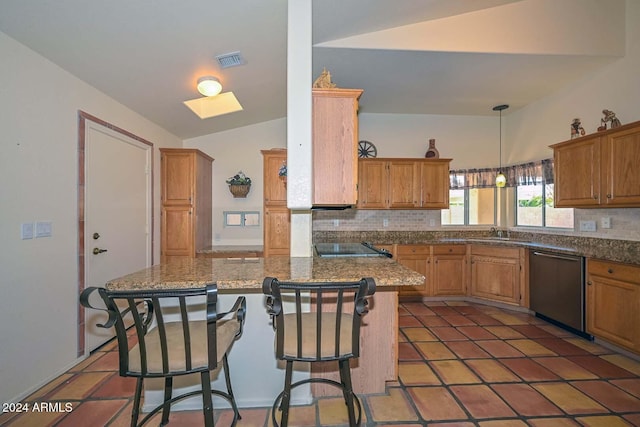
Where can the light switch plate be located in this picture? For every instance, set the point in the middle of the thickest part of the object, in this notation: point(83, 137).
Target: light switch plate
point(26, 230)
point(43, 229)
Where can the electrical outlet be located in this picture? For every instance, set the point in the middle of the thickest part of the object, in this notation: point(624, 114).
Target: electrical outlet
point(432, 222)
point(385, 222)
point(605, 222)
point(587, 226)
point(336, 222)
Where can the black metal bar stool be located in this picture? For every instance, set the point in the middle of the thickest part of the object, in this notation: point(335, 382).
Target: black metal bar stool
point(331, 332)
point(168, 342)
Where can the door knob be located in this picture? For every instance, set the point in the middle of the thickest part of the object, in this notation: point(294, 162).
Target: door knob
point(97, 251)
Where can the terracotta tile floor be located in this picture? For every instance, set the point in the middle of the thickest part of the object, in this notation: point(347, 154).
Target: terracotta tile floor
point(461, 364)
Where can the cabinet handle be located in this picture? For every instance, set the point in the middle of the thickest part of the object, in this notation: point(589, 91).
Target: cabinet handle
point(610, 271)
point(608, 196)
point(595, 197)
point(589, 283)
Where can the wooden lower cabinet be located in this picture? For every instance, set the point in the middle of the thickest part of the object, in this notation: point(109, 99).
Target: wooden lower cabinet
point(417, 258)
point(277, 231)
point(444, 267)
point(496, 273)
point(177, 230)
point(613, 303)
point(449, 275)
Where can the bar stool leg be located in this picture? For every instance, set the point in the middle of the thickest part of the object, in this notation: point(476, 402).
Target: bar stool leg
point(168, 390)
point(286, 396)
point(207, 401)
point(227, 377)
point(135, 411)
point(345, 378)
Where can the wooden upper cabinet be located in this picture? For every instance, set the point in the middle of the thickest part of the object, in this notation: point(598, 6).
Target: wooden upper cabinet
point(599, 170)
point(577, 172)
point(178, 177)
point(403, 184)
point(275, 189)
point(335, 146)
point(373, 184)
point(621, 157)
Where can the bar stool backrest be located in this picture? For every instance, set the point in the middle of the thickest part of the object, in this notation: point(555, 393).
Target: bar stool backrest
point(317, 321)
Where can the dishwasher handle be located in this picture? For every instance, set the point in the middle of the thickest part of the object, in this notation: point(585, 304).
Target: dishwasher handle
point(566, 258)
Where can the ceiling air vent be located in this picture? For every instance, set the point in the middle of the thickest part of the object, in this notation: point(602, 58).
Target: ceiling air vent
point(232, 59)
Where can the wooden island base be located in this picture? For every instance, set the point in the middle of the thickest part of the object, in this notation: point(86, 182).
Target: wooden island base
point(378, 361)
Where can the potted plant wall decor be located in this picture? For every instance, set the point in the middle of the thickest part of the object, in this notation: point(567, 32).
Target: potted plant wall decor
point(239, 185)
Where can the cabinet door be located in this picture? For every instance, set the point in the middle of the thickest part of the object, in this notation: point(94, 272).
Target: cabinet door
point(275, 189)
point(434, 188)
point(495, 277)
point(335, 146)
point(178, 178)
point(177, 231)
point(372, 184)
point(417, 258)
point(449, 270)
point(621, 157)
point(613, 303)
point(277, 226)
point(577, 173)
point(404, 184)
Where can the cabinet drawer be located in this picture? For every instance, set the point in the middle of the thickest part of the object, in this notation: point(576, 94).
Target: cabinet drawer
point(625, 272)
point(413, 250)
point(494, 251)
point(449, 249)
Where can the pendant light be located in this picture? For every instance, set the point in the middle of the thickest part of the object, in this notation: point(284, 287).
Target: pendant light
point(501, 180)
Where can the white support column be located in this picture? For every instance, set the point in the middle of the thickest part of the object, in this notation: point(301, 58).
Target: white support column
point(299, 116)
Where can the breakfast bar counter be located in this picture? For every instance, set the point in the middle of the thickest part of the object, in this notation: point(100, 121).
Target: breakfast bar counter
point(246, 274)
point(256, 374)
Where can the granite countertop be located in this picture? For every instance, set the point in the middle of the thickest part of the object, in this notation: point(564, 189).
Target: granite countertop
point(626, 251)
point(231, 251)
point(222, 249)
point(247, 274)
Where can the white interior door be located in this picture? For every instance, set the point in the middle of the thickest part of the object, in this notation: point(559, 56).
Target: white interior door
point(117, 234)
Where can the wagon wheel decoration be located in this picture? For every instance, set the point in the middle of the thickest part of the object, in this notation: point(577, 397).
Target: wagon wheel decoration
point(366, 149)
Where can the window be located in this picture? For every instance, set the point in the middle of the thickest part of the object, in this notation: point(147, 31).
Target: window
point(241, 219)
point(469, 206)
point(534, 207)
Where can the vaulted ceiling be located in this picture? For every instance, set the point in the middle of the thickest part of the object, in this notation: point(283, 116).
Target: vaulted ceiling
point(457, 57)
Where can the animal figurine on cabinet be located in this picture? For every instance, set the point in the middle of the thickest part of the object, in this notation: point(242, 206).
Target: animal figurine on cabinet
point(576, 129)
point(324, 80)
point(609, 116)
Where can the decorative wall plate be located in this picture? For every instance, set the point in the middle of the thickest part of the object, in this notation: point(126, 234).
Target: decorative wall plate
point(366, 149)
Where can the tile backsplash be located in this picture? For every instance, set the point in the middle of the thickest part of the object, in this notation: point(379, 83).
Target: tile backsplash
point(625, 222)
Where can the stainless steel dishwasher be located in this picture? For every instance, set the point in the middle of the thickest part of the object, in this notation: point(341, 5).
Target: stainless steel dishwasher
point(556, 289)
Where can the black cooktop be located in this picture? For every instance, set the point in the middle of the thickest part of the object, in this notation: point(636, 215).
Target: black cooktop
point(346, 250)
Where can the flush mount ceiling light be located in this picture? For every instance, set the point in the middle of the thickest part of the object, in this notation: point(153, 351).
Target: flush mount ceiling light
point(209, 86)
point(501, 180)
point(214, 102)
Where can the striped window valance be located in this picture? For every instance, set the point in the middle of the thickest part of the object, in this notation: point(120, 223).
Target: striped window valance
point(530, 173)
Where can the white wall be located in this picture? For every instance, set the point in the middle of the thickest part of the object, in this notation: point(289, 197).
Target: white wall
point(616, 87)
point(471, 141)
point(38, 171)
point(235, 150)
